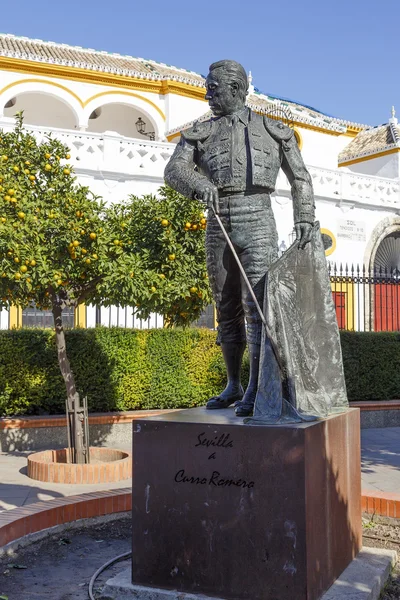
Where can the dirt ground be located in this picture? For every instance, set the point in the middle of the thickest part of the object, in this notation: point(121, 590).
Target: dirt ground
point(61, 566)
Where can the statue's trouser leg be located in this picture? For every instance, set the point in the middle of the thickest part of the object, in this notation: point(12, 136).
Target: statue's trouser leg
point(246, 405)
point(251, 226)
point(224, 277)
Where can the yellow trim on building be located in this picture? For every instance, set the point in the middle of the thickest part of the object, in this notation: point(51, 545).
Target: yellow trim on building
point(173, 136)
point(369, 157)
point(298, 137)
point(332, 249)
point(346, 288)
point(117, 81)
point(80, 316)
point(121, 81)
point(45, 81)
point(353, 130)
point(15, 317)
point(123, 93)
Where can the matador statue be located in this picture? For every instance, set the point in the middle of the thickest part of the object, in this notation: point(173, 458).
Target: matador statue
point(231, 162)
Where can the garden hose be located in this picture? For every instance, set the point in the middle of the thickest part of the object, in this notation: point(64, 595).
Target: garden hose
point(103, 568)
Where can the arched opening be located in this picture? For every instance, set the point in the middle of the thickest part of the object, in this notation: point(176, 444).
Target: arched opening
point(387, 255)
point(386, 275)
point(124, 119)
point(44, 110)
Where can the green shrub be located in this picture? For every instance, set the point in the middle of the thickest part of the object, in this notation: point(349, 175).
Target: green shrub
point(371, 365)
point(118, 369)
point(125, 369)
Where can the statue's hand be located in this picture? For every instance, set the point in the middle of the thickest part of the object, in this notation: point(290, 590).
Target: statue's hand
point(303, 234)
point(208, 193)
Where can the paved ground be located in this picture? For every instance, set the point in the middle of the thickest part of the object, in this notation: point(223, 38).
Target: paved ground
point(380, 459)
point(380, 463)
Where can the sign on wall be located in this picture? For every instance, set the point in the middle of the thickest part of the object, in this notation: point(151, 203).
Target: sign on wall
point(351, 230)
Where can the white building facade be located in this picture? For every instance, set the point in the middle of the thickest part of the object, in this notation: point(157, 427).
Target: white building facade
point(122, 116)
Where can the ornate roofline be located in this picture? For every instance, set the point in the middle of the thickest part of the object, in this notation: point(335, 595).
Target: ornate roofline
point(184, 78)
point(172, 80)
point(300, 121)
point(391, 148)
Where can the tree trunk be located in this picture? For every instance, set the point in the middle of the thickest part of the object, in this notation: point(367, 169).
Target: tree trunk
point(74, 410)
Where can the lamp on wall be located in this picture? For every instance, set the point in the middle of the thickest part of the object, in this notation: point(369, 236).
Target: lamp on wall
point(141, 128)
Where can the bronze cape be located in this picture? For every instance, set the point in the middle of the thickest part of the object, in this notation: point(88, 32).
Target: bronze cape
point(301, 315)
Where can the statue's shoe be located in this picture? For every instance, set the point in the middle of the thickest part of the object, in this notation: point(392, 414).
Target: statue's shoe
point(217, 402)
point(244, 410)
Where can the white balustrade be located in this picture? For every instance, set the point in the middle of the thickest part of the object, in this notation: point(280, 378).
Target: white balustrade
point(342, 186)
point(107, 152)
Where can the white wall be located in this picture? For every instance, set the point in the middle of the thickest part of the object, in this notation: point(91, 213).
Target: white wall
point(181, 110)
point(43, 109)
point(321, 149)
point(382, 166)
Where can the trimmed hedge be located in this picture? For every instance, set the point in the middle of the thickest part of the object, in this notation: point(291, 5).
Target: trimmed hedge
point(118, 369)
point(372, 365)
point(124, 369)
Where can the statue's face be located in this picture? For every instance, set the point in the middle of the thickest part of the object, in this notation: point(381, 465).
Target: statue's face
point(222, 95)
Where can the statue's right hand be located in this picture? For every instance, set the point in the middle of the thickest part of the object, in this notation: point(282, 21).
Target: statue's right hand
point(208, 193)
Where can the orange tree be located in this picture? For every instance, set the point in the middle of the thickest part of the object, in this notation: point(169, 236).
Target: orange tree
point(56, 244)
point(168, 233)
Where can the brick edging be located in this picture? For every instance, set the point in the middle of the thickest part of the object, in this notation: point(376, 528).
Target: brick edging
point(19, 522)
point(94, 419)
point(384, 504)
point(128, 416)
point(368, 405)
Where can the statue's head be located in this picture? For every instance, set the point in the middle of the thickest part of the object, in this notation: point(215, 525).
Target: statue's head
point(227, 87)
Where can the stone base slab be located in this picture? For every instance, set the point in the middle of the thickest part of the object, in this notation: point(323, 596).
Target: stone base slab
point(363, 579)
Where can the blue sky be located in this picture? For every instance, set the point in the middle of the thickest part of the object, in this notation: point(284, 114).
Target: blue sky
point(339, 56)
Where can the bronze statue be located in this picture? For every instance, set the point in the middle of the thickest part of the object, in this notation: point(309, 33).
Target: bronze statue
point(231, 162)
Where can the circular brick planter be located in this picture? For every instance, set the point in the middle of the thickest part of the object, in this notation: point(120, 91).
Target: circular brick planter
point(106, 466)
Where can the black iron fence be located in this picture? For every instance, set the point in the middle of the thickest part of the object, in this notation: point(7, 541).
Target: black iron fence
point(366, 299)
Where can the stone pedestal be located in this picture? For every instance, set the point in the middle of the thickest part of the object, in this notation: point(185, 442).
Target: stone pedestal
point(244, 512)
